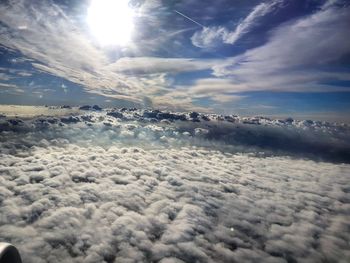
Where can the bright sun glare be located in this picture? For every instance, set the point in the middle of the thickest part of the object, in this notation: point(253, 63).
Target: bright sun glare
point(111, 21)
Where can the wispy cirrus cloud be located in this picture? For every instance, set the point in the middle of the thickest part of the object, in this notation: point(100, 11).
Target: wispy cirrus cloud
point(297, 58)
point(289, 61)
point(151, 65)
point(57, 44)
point(10, 89)
point(209, 36)
point(4, 76)
point(6, 85)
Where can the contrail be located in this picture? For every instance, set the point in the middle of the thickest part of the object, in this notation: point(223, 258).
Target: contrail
point(181, 14)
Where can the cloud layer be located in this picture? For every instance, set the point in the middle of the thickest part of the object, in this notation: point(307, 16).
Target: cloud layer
point(318, 140)
point(109, 188)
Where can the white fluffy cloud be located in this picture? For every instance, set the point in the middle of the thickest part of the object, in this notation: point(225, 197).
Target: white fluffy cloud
point(128, 191)
point(77, 204)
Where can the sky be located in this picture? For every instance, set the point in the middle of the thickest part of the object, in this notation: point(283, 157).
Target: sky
point(277, 57)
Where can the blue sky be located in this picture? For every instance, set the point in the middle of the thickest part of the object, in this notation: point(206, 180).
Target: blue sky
point(277, 57)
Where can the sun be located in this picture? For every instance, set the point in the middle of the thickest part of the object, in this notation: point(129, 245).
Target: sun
point(111, 21)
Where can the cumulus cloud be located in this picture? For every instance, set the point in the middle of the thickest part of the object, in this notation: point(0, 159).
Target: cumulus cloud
point(65, 202)
point(130, 187)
